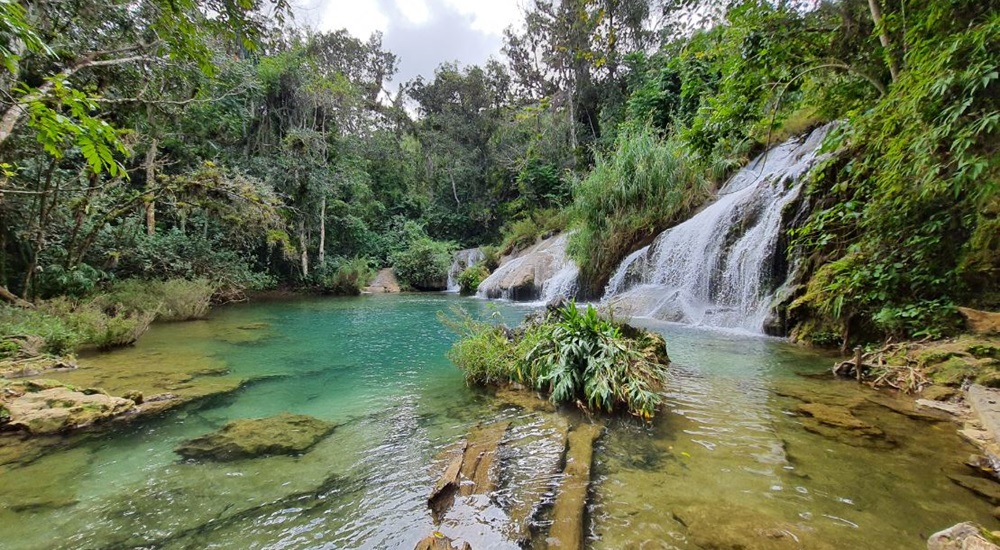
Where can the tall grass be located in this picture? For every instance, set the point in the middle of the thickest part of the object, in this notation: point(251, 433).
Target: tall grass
point(644, 186)
point(523, 233)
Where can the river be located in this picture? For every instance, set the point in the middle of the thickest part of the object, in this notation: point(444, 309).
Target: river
point(728, 459)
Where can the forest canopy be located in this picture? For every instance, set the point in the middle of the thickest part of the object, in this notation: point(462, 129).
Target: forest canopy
point(219, 140)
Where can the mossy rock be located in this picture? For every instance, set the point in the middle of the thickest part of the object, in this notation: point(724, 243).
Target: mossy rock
point(984, 351)
point(952, 372)
point(840, 424)
point(285, 434)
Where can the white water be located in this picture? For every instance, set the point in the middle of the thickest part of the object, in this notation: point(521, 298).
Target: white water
point(718, 268)
point(463, 259)
point(542, 272)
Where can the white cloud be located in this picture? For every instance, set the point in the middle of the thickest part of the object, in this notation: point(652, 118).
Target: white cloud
point(360, 17)
point(489, 16)
point(415, 11)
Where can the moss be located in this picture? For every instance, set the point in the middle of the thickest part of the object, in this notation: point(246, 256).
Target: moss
point(984, 351)
point(952, 372)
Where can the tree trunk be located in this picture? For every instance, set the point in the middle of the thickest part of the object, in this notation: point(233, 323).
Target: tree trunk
point(303, 245)
point(148, 201)
point(322, 233)
point(883, 36)
point(14, 299)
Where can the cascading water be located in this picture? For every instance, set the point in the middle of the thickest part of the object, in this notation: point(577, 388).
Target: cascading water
point(542, 272)
point(463, 259)
point(721, 267)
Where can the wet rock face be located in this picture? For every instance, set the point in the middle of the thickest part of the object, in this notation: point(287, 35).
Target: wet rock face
point(285, 434)
point(48, 407)
point(542, 271)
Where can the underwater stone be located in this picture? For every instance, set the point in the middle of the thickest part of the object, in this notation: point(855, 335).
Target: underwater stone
point(285, 434)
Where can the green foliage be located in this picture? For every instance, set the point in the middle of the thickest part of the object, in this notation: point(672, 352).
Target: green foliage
point(425, 264)
point(470, 277)
point(644, 186)
point(346, 277)
point(170, 300)
point(575, 356)
point(491, 258)
point(522, 233)
point(906, 210)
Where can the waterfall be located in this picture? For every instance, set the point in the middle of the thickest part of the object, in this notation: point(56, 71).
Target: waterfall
point(463, 259)
point(541, 272)
point(721, 267)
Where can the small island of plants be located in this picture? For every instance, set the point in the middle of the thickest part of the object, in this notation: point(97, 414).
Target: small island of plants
point(573, 355)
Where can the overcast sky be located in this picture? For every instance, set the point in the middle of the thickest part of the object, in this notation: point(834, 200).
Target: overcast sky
point(422, 33)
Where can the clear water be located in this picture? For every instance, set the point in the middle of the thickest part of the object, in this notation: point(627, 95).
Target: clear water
point(726, 458)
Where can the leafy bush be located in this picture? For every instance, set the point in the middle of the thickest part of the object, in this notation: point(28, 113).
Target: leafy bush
point(491, 258)
point(906, 208)
point(425, 264)
point(574, 356)
point(346, 277)
point(66, 325)
point(641, 188)
point(525, 232)
point(470, 277)
point(172, 300)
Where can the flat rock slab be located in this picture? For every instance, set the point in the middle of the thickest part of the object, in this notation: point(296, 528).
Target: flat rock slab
point(567, 529)
point(985, 402)
point(285, 434)
point(48, 407)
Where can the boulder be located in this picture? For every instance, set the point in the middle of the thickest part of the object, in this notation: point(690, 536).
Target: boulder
point(524, 276)
point(981, 322)
point(285, 434)
point(385, 282)
point(48, 407)
point(964, 536)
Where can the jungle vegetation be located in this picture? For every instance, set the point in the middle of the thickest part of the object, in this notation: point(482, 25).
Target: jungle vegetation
point(218, 141)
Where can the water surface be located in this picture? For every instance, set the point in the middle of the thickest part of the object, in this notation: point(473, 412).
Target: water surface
point(728, 458)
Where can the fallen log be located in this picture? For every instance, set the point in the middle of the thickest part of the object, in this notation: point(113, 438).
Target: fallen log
point(567, 529)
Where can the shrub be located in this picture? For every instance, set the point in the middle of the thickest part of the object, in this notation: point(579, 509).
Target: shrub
point(425, 264)
point(574, 356)
point(172, 300)
point(491, 258)
point(641, 188)
point(524, 232)
point(347, 277)
point(469, 279)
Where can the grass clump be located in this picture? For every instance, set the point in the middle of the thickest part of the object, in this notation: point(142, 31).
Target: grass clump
point(171, 300)
point(347, 277)
point(470, 277)
point(574, 356)
point(523, 233)
point(645, 185)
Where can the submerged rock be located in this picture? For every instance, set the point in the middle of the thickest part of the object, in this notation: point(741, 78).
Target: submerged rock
point(964, 536)
point(48, 407)
point(840, 424)
point(285, 434)
point(986, 489)
point(568, 529)
point(437, 541)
